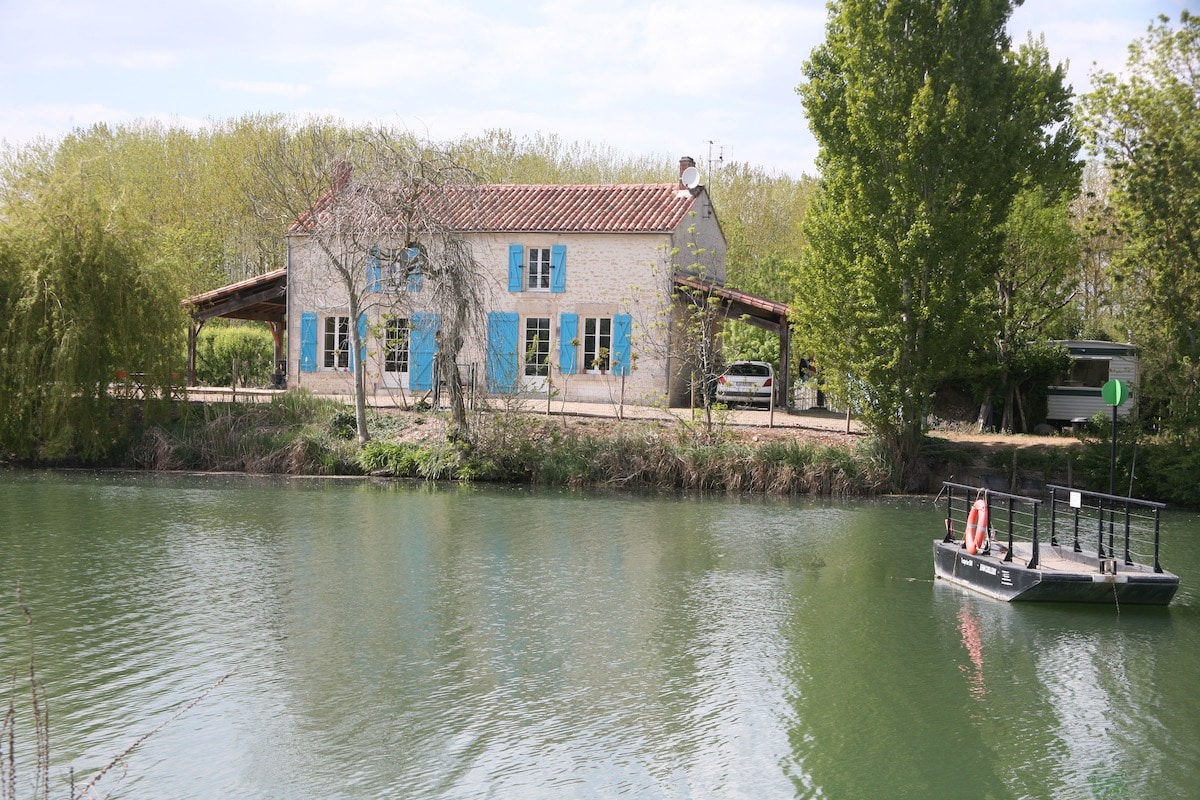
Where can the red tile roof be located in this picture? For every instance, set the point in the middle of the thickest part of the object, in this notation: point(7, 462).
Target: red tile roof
point(524, 208)
point(597, 208)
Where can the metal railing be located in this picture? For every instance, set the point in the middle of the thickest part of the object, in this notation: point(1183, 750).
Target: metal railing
point(1013, 514)
point(1108, 524)
point(1114, 529)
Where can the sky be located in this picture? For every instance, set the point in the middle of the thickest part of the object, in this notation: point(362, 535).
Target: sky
point(713, 79)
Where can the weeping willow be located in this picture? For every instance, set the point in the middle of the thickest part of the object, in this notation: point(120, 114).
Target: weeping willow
point(79, 309)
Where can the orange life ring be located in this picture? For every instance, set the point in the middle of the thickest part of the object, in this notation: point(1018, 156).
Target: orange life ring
point(977, 522)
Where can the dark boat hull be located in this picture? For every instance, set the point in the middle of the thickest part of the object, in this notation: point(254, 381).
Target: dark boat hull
point(1012, 580)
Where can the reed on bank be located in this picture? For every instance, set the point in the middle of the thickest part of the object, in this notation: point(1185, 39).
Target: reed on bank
point(297, 433)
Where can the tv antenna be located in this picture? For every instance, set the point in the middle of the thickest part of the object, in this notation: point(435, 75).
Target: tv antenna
point(720, 159)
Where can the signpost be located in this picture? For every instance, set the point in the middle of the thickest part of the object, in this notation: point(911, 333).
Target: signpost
point(1115, 393)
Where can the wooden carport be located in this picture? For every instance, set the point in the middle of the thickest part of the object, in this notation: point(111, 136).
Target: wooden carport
point(753, 310)
point(262, 298)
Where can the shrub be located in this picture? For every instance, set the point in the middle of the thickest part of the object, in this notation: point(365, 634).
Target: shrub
point(218, 347)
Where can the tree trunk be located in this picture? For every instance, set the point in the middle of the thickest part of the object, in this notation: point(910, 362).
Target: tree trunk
point(1006, 422)
point(985, 411)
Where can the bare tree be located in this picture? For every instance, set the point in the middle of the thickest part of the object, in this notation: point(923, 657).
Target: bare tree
point(364, 197)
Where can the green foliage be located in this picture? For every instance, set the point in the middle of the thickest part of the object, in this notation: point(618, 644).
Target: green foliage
point(1034, 369)
point(929, 123)
point(1145, 123)
point(500, 157)
point(288, 435)
point(398, 459)
point(760, 215)
point(79, 306)
point(218, 347)
point(743, 342)
point(653, 457)
point(342, 424)
point(1156, 467)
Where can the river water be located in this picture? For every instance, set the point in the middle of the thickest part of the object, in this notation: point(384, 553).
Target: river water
point(383, 640)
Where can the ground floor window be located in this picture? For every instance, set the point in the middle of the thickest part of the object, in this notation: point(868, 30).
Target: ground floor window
point(537, 346)
point(337, 343)
point(597, 343)
point(395, 345)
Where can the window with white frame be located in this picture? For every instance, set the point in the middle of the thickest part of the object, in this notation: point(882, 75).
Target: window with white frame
point(395, 345)
point(597, 343)
point(537, 346)
point(539, 269)
point(337, 343)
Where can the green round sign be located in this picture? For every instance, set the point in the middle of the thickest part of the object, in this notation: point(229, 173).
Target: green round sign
point(1115, 392)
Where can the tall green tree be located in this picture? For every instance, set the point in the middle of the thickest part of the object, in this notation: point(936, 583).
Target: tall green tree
point(928, 123)
point(1145, 124)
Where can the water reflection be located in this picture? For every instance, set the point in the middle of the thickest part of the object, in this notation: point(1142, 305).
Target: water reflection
point(968, 626)
point(433, 643)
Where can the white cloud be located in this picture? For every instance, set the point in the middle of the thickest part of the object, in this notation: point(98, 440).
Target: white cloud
point(646, 76)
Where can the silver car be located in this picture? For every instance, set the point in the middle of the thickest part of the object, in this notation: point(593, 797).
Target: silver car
point(746, 382)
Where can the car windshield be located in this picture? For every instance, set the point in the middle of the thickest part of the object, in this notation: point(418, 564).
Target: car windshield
point(746, 369)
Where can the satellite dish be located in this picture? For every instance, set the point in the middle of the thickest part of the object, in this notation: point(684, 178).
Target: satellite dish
point(690, 177)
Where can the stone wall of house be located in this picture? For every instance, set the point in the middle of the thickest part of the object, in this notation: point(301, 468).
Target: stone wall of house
point(606, 275)
point(700, 247)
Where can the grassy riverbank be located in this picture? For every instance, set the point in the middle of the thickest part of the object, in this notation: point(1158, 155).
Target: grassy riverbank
point(788, 453)
point(299, 434)
point(296, 433)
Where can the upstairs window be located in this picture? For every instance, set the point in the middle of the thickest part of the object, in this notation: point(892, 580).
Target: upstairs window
point(395, 269)
point(539, 269)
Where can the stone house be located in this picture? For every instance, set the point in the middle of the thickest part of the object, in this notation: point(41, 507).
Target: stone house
point(579, 285)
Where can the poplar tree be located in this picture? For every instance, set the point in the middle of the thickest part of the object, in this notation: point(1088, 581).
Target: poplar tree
point(928, 123)
point(1145, 124)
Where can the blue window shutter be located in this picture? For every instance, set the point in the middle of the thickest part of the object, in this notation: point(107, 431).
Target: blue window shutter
point(503, 362)
point(422, 349)
point(355, 360)
point(558, 268)
point(374, 273)
point(516, 267)
point(568, 331)
point(308, 342)
point(622, 325)
point(412, 258)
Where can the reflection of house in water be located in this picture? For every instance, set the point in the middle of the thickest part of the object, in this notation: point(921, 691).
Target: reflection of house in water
point(1093, 364)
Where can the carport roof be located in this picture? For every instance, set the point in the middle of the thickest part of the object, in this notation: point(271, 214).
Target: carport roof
point(263, 297)
point(755, 310)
